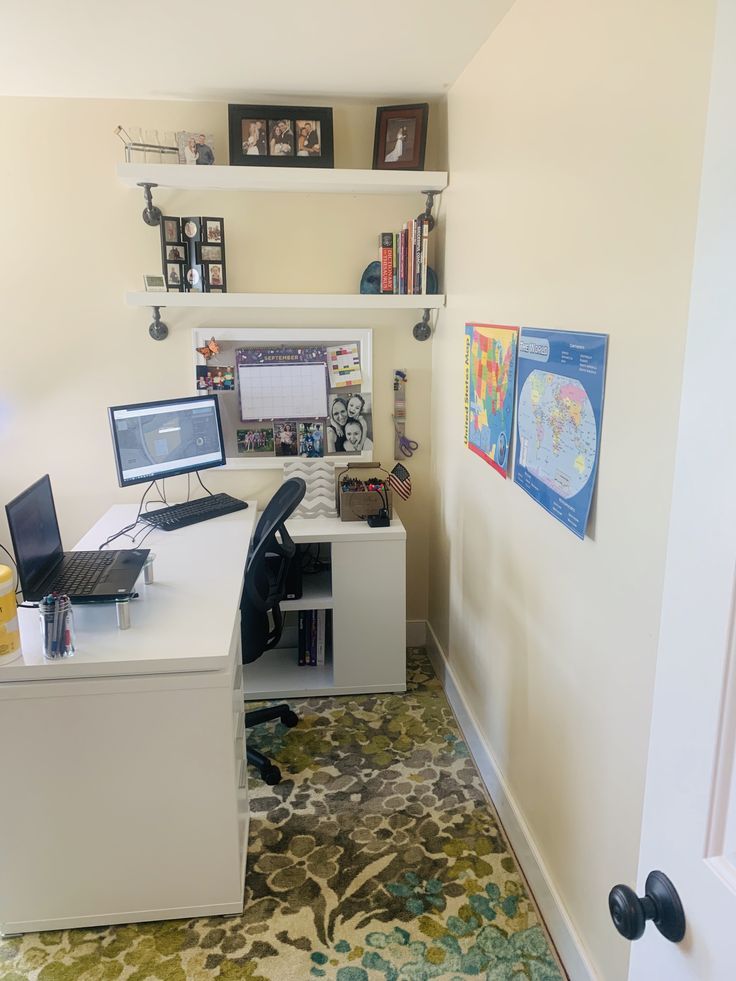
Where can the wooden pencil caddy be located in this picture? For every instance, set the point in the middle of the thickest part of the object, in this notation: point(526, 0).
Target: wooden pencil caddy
point(358, 505)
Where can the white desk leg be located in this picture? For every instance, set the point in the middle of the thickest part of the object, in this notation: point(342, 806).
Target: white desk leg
point(122, 609)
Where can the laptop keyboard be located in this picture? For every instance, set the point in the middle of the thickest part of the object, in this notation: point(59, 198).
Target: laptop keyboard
point(82, 573)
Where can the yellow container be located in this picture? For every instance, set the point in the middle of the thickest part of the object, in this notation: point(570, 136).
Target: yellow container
point(9, 633)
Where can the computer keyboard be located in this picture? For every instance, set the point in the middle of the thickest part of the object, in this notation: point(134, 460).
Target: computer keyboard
point(202, 509)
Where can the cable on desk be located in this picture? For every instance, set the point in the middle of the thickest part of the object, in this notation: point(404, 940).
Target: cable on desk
point(15, 569)
point(127, 528)
point(203, 487)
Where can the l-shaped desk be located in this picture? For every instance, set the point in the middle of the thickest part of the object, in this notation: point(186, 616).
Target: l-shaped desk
point(125, 783)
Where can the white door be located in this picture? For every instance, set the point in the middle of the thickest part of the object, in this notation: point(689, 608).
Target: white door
point(689, 829)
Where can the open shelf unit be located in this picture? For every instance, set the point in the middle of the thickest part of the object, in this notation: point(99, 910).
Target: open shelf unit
point(279, 180)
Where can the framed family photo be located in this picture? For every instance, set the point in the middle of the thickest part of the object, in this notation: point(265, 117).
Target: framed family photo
point(400, 140)
point(280, 136)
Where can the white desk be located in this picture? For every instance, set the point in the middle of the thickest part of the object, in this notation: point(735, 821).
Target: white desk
point(124, 783)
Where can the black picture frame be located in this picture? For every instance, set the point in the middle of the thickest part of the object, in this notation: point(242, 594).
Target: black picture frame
point(387, 141)
point(245, 136)
point(170, 230)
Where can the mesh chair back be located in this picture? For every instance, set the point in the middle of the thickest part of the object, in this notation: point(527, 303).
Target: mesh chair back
point(265, 574)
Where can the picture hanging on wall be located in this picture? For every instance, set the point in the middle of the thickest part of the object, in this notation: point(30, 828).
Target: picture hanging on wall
point(278, 383)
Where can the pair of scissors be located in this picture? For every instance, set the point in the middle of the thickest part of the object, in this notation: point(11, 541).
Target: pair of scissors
point(406, 445)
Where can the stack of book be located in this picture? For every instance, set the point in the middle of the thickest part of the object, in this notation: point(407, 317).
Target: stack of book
point(403, 258)
point(313, 629)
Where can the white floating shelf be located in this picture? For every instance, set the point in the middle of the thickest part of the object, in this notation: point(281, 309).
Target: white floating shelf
point(304, 180)
point(288, 301)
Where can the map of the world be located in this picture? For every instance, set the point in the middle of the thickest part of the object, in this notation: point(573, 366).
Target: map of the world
point(558, 420)
point(557, 432)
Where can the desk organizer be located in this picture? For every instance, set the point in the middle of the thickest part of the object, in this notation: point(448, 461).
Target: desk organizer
point(362, 495)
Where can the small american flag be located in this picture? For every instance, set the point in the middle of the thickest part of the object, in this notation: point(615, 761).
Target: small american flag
point(400, 481)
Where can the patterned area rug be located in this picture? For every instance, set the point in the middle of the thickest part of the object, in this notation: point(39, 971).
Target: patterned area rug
point(378, 858)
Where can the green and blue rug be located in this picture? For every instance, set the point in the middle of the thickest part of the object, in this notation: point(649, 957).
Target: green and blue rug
point(377, 858)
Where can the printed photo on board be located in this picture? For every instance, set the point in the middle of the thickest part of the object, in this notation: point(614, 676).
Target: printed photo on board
point(254, 440)
point(349, 427)
point(311, 439)
point(285, 438)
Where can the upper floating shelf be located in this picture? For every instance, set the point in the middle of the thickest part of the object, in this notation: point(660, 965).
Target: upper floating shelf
point(318, 181)
point(285, 301)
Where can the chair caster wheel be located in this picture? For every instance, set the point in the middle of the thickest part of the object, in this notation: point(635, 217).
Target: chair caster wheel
point(290, 719)
point(271, 775)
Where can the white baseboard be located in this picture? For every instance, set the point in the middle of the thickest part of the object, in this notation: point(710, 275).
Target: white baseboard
point(416, 633)
point(560, 927)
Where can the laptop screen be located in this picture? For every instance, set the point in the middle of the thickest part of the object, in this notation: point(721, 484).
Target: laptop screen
point(35, 533)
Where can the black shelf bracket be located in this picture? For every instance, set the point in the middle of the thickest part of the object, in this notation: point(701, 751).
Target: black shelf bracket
point(151, 214)
point(158, 329)
point(427, 213)
point(422, 330)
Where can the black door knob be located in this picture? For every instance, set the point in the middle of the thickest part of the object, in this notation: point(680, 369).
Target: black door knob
point(660, 903)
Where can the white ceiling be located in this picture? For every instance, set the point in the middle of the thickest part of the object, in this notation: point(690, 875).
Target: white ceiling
point(231, 51)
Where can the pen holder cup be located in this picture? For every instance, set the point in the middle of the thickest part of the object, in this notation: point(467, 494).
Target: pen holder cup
point(57, 627)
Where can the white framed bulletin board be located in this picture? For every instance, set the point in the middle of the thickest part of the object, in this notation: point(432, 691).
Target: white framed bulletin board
point(286, 395)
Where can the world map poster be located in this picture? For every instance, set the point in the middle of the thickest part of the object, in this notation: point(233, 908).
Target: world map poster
point(490, 372)
point(558, 420)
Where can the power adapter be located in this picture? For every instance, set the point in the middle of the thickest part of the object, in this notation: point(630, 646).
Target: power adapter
point(380, 520)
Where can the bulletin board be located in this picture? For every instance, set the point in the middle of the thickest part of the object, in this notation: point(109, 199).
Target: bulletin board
point(289, 394)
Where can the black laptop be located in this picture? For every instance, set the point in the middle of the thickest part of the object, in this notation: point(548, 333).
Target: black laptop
point(43, 565)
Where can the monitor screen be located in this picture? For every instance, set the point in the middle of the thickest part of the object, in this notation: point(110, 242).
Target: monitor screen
point(160, 439)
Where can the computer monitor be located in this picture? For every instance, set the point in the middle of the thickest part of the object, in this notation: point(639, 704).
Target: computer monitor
point(161, 439)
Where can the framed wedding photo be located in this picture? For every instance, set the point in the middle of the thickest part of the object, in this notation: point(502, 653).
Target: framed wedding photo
point(401, 137)
point(280, 136)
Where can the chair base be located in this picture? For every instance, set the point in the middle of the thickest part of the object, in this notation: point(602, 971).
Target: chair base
point(268, 770)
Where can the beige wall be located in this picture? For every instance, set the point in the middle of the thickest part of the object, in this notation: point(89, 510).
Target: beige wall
point(575, 141)
point(72, 242)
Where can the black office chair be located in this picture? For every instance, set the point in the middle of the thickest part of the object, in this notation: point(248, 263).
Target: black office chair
point(261, 620)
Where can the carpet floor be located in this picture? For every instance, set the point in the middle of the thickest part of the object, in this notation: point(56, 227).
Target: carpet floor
point(378, 858)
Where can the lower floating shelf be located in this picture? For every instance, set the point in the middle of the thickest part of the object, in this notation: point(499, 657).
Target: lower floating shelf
point(288, 301)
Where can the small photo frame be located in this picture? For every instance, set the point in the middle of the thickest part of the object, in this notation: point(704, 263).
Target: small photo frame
point(209, 253)
point(193, 281)
point(255, 441)
point(176, 252)
point(191, 229)
point(286, 438)
point(171, 229)
point(195, 148)
point(174, 276)
point(154, 284)
point(400, 139)
point(215, 275)
point(213, 231)
point(280, 136)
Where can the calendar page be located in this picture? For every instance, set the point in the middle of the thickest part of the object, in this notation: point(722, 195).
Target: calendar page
point(282, 391)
